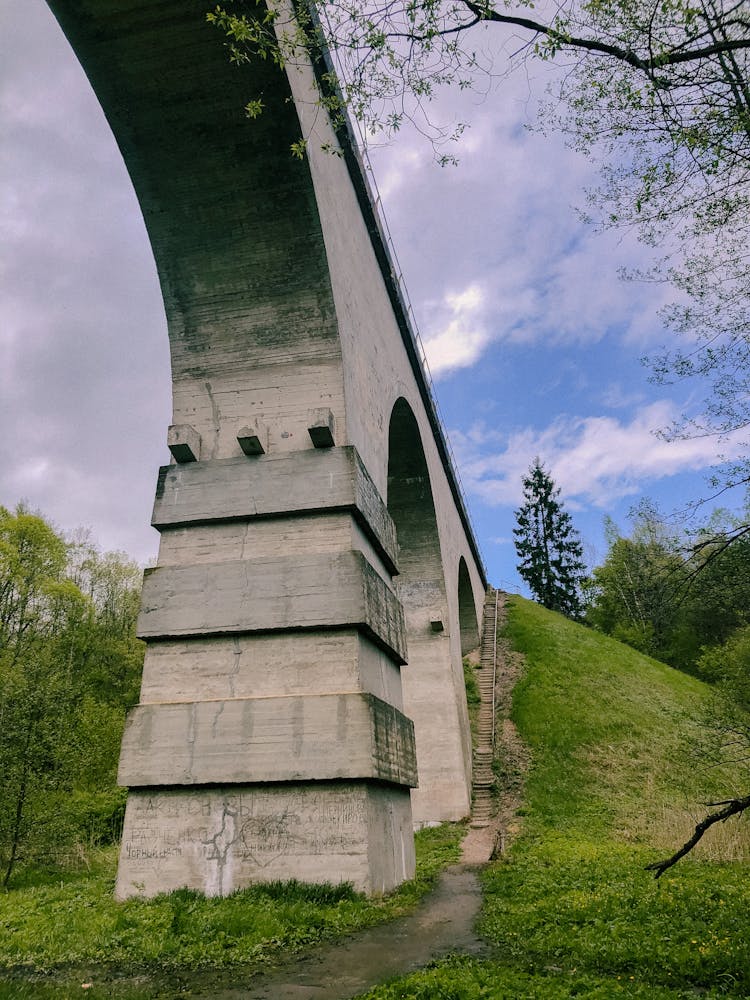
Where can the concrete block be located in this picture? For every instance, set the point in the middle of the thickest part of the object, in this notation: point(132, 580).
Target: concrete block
point(372, 514)
point(319, 591)
point(322, 428)
point(244, 740)
point(253, 438)
point(222, 839)
point(298, 483)
point(184, 442)
point(262, 666)
point(229, 540)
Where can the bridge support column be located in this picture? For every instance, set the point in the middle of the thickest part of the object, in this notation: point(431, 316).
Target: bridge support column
point(269, 741)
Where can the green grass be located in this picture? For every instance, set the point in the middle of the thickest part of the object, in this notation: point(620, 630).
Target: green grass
point(77, 922)
point(461, 978)
point(570, 912)
point(614, 784)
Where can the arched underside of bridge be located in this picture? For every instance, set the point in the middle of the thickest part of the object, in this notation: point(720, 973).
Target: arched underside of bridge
point(467, 611)
point(432, 680)
point(272, 738)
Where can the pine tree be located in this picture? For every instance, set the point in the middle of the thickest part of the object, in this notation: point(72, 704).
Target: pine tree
point(548, 546)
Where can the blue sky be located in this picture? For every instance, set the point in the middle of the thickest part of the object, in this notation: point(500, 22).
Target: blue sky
point(533, 340)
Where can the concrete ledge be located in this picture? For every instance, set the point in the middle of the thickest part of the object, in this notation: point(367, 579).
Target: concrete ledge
point(299, 482)
point(271, 665)
point(285, 593)
point(303, 738)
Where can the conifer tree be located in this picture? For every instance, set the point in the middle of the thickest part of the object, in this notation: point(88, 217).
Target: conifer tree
point(548, 546)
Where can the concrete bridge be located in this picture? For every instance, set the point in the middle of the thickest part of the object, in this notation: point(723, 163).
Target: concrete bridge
point(317, 578)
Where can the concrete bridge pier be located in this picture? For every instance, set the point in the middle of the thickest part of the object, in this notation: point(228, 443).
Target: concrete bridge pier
point(269, 741)
point(313, 537)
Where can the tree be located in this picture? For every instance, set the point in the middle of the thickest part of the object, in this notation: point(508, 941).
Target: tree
point(35, 606)
point(665, 83)
point(548, 546)
point(392, 57)
point(718, 601)
point(670, 594)
point(639, 593)
point(632, 594)
point(69, 668)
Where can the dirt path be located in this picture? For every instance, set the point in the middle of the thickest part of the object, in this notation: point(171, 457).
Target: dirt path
point(443, 924)
point(445, 921)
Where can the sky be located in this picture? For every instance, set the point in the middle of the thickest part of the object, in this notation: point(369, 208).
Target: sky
point(533, 341)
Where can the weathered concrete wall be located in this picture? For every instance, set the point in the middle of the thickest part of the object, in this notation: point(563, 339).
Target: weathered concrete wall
point(215, 839)
point(266, 665)
point(291, 738)
point(273, 485)
point(277, 625)
point(281, 592)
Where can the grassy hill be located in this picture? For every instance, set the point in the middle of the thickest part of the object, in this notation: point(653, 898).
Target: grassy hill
point(616, 782)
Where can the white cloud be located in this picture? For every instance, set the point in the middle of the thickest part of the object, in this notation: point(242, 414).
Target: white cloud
point(505, 220)
point(401, 170)
point(594, 460)
point(463, 337)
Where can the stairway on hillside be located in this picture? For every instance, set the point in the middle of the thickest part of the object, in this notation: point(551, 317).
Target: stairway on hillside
point(483, 776)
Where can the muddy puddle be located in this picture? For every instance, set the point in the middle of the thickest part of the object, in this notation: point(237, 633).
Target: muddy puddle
point(443, 924)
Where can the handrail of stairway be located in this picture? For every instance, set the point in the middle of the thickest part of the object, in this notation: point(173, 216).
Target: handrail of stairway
point(494, 673)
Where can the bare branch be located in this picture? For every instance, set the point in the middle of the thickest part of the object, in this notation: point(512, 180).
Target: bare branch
point(647, 65)
point(732, 807)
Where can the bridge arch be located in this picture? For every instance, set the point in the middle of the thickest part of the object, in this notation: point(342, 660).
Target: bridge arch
point(467, 613)
point(411, 505)
point(432, 697)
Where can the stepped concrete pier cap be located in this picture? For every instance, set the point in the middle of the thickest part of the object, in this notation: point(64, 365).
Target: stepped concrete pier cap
point(317, 578)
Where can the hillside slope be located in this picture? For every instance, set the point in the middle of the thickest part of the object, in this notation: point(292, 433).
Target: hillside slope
point(615, 783)
point(619, 740)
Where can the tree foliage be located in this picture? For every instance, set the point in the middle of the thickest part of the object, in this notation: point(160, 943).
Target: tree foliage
point(658, 86)
point(548, 546)
point(69, 667)
point(634, 594)
point(673, 596)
